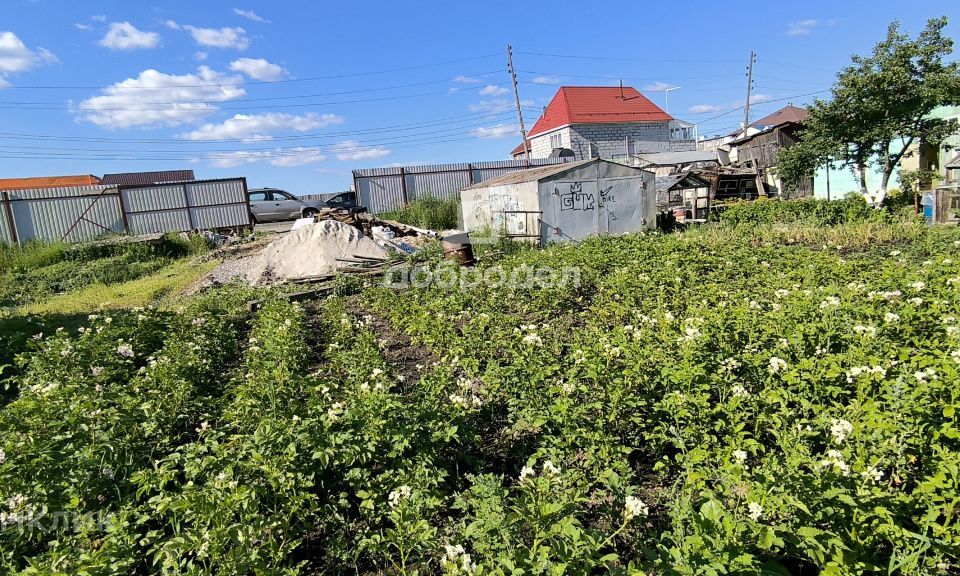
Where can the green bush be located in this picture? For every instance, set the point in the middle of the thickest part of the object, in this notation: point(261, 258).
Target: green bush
point(430, 213)
point(814, 212)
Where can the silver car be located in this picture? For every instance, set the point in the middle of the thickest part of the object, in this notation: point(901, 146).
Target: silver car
point(273, 205)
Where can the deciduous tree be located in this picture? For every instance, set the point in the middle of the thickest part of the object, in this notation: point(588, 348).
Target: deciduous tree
point(880, 107)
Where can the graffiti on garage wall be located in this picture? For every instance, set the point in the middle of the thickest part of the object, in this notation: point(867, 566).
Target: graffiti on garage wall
point(577, 199)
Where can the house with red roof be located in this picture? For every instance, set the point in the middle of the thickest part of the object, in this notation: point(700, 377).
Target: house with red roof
point(609, 122)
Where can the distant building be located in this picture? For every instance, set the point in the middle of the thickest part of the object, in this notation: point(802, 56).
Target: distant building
point(607, 122)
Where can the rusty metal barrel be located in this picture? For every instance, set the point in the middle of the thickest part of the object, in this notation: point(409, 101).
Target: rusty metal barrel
point(457, 247)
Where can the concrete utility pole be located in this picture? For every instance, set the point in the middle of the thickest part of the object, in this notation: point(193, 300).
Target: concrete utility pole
point(746, 109)
point(516, 98)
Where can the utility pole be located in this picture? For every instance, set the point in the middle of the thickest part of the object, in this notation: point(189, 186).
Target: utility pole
point(516, 98)
point(746, 109)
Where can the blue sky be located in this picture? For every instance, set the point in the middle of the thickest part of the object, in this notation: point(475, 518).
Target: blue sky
point(297, 94)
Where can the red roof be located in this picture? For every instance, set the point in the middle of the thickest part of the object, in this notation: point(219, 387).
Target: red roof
point(597, 105)
point(789, 113)
point(520, 149)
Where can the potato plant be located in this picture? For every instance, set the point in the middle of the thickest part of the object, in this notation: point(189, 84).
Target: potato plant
point(711, 402)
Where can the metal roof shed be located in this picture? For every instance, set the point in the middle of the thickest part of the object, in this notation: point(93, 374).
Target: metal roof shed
point(563, 202)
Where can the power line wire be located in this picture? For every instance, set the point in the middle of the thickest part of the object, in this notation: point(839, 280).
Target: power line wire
point(267, 82)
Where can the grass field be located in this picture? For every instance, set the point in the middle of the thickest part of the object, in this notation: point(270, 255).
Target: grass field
point(776, 394)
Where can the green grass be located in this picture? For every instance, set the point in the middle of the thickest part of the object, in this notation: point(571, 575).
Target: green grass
point(430, 213)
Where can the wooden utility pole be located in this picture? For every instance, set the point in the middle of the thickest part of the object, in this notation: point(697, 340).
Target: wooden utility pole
point(516, 98)
point(746, 109)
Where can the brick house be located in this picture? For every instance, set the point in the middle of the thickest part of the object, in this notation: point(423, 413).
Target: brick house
point(607, 122)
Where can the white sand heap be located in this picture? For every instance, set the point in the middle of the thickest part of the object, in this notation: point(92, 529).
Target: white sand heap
point(312, 251)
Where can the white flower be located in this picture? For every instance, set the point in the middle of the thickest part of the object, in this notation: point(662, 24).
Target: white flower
point(549, 469)
point(107, 473)
point(198, 321)
point(739, 391)
point(730, 364)
point(740, 456)
point(834, 460)
point(926, 374)
point(918, 285)
point(3, 456)
point(956, 356)
point(532, 339)
point(781, 293)
point(840, 429)
point(634, 507)
point(376, 372)
point(916, 301)
point(399, 494)
point(755, 511)
point(891, 318)
point(335, 411)
point(453, 552)
point(869, 331)
point(776, 365)
point(125, 350)
point(830, 301)
point(96, 371)
point(203, 426)
point(873, 473)
point(895, 253)
point(527, 472)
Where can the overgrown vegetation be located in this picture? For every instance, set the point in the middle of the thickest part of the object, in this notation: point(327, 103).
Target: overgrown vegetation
point(810, 212)
point(430, 213)
point(716, 401)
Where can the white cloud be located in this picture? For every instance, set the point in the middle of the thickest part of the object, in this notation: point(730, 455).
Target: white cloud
point(15, 57)
point(235, 38)
point(126, 36)
point(298, 156)
point(250, 15)
point(255, 127)
point(353, 150)
point(4, 83)
point(801, 27)
point(658, 87)
point(705, 108)
point(466, 80)
point(258, 69)
point(492, 90)
point(200, 56)
point(282, 157)
point(172, 24)
point(157, 99)
point(98, 18)
point(498, 131)
point(496, 105)
point(82, 26)
point(547, 80)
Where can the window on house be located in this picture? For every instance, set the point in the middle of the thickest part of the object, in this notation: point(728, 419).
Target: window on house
point(556, 140)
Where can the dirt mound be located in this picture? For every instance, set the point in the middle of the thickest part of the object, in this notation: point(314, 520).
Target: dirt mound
point(311, 251)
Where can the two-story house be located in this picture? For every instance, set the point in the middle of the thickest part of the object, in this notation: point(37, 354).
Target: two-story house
point(605, 122)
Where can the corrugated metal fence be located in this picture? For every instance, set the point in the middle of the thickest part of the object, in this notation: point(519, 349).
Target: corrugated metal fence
point(79, 213)
point(385, 189)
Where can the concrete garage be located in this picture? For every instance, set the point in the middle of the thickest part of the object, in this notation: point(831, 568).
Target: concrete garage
point(563, 202)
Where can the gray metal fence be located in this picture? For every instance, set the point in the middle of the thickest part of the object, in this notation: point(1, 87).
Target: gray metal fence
point(385, 189)
point(78, 213)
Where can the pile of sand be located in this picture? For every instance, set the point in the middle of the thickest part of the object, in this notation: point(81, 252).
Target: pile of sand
point(311, 251)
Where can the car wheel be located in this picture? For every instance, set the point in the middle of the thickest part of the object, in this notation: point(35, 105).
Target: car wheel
point(310, 212)
point(253, 219)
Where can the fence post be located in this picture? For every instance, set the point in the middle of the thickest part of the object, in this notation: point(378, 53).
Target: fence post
point(10, 221)
point(403, 185)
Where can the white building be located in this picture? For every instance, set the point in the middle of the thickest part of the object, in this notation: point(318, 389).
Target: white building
point(605, 122)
